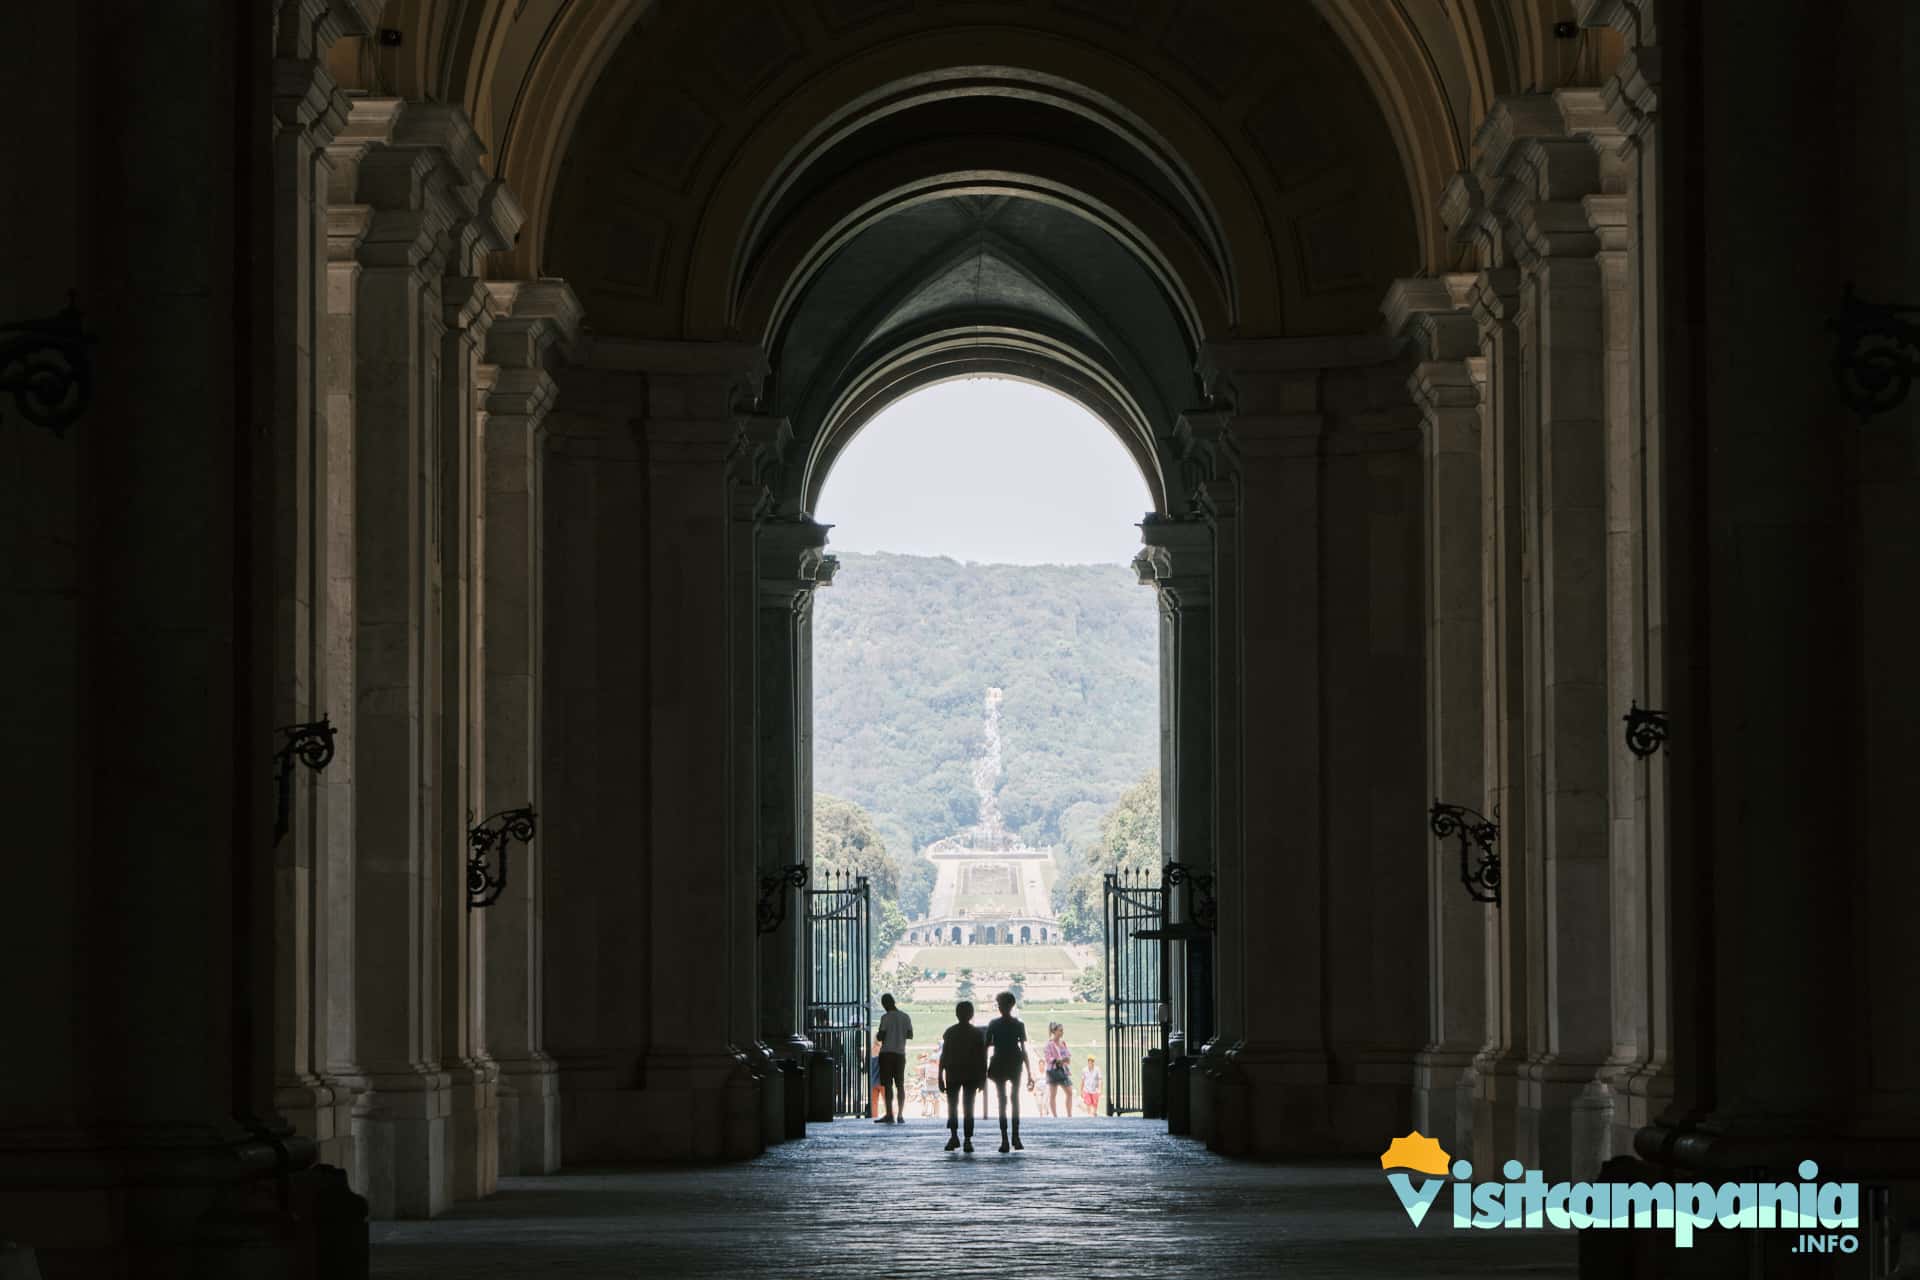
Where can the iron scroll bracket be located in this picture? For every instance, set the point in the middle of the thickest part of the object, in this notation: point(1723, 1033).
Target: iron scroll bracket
point(773, 897)
point(486, 877)
point(1203, 908)
point(1474, 831)
point(1876, 353)
point(311, 744)
point(1646, 730)
point(46, 367)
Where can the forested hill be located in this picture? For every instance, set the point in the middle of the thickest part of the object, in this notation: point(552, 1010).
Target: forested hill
point(904, 650)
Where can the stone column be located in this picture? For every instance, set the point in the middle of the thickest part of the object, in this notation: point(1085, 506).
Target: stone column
point(1178, 561)
point(308, 112)
point(490, 218)
point(793, 562)
point(1566, 1112)
point(533, 321)
point(400, 1121)
point(347, 225)
point(1504, 728)
point(1623, 125)
point(1433, 316)
point(594, 851)
point(140, 984)
point(700, 1099)
point(1332, 707)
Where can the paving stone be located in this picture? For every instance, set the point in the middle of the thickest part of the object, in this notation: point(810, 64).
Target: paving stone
point(1087, 1199)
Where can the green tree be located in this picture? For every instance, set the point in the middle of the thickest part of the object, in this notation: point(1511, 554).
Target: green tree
point(1129, 841)
point(1090, 983)
point(900, 980)
point(1017, 984)
point(963, 989)
point(905, 648)
point(846, 843)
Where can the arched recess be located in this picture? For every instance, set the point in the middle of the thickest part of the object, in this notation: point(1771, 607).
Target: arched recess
point(943, 357)
point(523, 70)
point(1278, 169)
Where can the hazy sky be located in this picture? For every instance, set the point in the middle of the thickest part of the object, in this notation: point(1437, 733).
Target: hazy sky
point(986, 469)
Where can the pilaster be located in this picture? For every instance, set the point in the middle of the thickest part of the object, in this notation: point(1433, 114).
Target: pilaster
point(308, 111)
point(1324, 487)
point(406, 877)
point(533, 323)
point(1433, 316)
point(793, 563)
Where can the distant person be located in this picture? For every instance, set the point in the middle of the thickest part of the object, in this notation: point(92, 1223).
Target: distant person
point(963, 1070)
point(1007, 1042)
point(1059, 1060)
point(1090, 1086)
point(929, 1082)
point(896, 1028)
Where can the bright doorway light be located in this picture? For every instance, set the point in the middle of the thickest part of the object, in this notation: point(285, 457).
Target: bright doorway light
point(987, 470)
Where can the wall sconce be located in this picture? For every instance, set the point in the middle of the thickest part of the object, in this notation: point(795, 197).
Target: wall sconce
point(485, 882)
point(312, 744)
point(1876, 353)
point(44, 365)
point(1472, 830)
point(773, 901)
point(1646, 730)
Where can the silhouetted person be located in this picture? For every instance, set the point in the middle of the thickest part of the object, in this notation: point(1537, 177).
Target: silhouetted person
point(963, 1069)
point(896, 1028)
point(1007, 1041)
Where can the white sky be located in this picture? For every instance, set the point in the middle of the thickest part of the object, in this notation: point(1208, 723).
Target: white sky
point(989, 470)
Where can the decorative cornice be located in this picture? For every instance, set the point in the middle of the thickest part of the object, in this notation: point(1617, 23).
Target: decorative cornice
point(792, 559)
point(534, 320)
point(1433, 315)
point(1177, 558)
point(1634, 19)
point(1632, 94)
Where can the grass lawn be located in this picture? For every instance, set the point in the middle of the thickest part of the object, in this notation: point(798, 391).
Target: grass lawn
point(1086, 1025)
point(998, 959)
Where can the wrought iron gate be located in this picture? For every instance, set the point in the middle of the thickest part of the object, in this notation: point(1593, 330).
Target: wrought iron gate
point(839, 999)
point(1135, 904)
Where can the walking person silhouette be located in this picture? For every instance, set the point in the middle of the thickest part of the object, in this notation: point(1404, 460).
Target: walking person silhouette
point(1007, 1039)
point(963, 1069)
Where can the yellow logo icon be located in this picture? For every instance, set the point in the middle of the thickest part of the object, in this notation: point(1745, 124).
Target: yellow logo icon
point(1418, 1152)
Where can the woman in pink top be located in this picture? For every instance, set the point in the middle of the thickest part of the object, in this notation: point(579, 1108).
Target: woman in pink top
point(1059, 1060)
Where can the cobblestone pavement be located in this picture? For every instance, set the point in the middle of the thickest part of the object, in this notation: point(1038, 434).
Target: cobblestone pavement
point(855, 1201)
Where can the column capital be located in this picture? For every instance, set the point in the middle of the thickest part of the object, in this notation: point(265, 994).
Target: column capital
point(534, 321)
point(1434, 315)
point(793, 559)
point(1634, 19)
point(306, 98)
point(1632, 93)
point(1177, 558)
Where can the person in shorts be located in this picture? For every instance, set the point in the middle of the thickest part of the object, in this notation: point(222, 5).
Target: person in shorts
point(963, 1070)
point(896, 1028)
point(1090, 1083)
point(1007, 1042)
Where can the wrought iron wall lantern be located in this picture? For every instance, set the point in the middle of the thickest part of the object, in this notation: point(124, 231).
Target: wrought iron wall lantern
point(1203, 909)
point(1474, 831)
point(1876, 353)
point(773, 895)
point(486, 877)
point(310, 743)
point(1646, 730)
point(45, 366)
